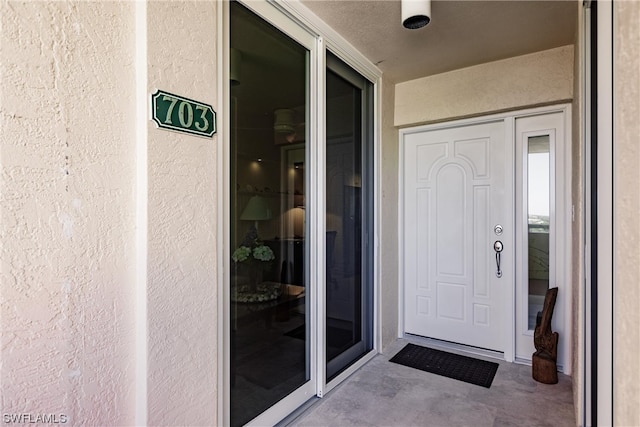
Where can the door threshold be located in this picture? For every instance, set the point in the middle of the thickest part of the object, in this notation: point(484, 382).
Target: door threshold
point(451, 346)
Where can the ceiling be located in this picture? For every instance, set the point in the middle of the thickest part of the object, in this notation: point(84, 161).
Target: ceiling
point(461, 33)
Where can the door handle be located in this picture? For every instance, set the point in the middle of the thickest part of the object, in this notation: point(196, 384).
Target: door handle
point(498, 247)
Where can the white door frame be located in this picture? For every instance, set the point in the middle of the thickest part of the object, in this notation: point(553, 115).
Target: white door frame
point(560, 248)
point(599, 352)
point(565, 233)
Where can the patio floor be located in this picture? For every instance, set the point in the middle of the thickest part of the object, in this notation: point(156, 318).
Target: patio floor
point(387, 394)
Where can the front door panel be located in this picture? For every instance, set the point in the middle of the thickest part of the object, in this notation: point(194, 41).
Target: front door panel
point(455, 193)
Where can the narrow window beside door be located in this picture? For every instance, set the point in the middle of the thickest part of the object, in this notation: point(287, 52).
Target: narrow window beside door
point(539, 223)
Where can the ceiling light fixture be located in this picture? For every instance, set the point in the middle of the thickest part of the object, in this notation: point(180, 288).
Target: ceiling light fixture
point(415, 13)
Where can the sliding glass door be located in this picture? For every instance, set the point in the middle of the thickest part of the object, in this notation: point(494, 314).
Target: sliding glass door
point(349, 217)
point(270, 354)
point(289, 193)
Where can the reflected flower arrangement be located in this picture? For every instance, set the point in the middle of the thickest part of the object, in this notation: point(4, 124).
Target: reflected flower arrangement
point(252, 248)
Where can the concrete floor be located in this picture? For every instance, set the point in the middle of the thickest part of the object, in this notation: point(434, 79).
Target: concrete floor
point(387, 394)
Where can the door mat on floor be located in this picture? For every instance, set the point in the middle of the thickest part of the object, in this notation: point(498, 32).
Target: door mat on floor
point(455, 366)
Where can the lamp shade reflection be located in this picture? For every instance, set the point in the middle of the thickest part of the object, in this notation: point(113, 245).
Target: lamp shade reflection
point(256, 210)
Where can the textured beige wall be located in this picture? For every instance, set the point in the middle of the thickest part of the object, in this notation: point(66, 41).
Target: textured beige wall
point(389, 218)
point(524, 81)
point(182, 285)
point(68, 215)
point(626, 339)
point(67, 229)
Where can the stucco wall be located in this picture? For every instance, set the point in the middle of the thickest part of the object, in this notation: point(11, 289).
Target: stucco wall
point(389, 218)
point(67, 276)
point(540, 78)
point(626, 170)
point(71, 312)
point(182, 285)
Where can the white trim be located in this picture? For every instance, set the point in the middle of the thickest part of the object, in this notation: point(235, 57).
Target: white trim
point(349, 371)
point(142, 223)
point(586, 412)
point(510, 188)
point(223, 231)
point(605, 226)
point(284, 407)
point(565, 220)
point(333, 41)
point(377, 215)
point(316, 211)
point(560, 107)
point(276, 15)
point(401, 256)
point(400, 231)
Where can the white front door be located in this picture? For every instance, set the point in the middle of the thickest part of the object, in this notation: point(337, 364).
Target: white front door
point(457, 190)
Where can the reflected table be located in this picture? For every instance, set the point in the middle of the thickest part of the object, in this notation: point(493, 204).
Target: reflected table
point(290, 297)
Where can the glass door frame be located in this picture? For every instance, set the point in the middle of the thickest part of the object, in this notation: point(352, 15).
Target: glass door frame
point(331, 41)
point(344, 71)
point(297, 22)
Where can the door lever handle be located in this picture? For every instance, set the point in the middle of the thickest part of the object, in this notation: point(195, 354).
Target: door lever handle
point(498, 247)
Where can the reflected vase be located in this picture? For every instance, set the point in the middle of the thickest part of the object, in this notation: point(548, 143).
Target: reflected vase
point(255, 277)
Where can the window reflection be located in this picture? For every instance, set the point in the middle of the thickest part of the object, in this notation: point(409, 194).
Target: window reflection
point(538, 214)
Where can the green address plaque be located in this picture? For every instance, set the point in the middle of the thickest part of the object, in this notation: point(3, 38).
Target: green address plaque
point(182, 114)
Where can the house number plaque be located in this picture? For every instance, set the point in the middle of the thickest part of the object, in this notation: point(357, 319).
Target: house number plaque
point(181, 114)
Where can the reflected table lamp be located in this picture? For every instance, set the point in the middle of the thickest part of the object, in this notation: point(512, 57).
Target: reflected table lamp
point(256, 210)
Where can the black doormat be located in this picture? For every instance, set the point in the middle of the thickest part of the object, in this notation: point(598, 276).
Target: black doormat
point(462, 368)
